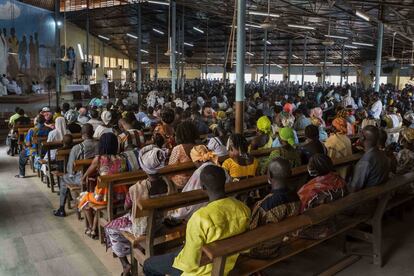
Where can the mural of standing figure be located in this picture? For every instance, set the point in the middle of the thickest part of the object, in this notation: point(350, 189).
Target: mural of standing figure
point(32, 53)
point(13, 44)
point(23, 53)
point(4, 52)
point(36, 40)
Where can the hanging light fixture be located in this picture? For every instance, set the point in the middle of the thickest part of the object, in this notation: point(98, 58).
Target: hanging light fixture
point(392, 58)
point(267, 24)
point(65, 57)
point(328, 42)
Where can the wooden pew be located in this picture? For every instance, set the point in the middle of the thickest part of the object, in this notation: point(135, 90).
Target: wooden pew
point(153, 242)
point(130, 178)
point(48, 146)
point(217, 252)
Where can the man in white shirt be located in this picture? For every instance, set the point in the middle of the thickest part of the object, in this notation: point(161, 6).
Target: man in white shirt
point(376, 107)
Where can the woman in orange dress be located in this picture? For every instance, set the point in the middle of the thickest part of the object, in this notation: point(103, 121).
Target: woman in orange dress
point(106, 163)
point(186, 136)
point(165, 127)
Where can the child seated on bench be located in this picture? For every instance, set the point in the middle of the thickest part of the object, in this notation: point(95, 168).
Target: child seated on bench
point(280, 204)
point(151, 159)
point(222, 218)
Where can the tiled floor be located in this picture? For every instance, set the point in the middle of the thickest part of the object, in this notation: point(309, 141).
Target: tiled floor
point(34, 242)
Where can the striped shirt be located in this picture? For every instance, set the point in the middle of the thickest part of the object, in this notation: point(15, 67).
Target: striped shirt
point(130, 139)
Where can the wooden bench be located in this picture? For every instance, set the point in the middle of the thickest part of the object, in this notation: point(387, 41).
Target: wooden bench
point(217, 252)
point(130, 178)
point(48, 146)
point(152, 243)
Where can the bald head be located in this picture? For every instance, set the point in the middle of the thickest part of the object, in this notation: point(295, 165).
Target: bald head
point(371, 136)
point(279, 170)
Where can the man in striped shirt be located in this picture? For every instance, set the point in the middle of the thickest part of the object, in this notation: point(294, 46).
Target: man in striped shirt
point(130, 138)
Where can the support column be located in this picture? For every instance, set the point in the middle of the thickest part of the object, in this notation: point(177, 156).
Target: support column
point(342, 63)
point(379, 56)
point(58, 57)
point(173, 48)
point(87, 42)
point(225, 62)
point(241, 51)
point(324, 67)
point(289, 63)
point(156, 65)
point(304, 60)
point(139, 65)
point(264, 60)
point(183, 53)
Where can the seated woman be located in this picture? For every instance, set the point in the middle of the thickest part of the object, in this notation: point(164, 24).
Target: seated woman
point(186, 135)
point(106, 163)
point(201, 158)
point(317, 120)
point(151, 159)
point(264, 139)
point(405, 157)
point(217, 143)
point(165, 127)
point(338, 144)
point(312, 144)
point(285, 151)
point(240, 163)
point(326, 186)
point(108, 120)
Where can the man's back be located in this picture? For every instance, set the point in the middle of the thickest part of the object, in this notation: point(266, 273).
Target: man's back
point(218, 220)
point(85, 150)
point(371, 170)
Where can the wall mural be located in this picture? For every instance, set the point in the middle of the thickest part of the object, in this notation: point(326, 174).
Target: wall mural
point(27, 36)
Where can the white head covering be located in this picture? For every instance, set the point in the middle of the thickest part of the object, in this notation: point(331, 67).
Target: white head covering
point(60, 127)
point(151, 159)
point(106, 117)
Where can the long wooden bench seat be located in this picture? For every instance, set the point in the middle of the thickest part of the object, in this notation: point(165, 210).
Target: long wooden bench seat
point(155, 206)
point(218, 251)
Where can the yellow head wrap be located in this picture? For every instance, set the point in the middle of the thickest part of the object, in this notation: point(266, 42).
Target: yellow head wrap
point(264, 125)
point(200, 153)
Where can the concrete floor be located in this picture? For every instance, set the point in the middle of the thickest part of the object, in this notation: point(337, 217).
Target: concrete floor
point(34, 242)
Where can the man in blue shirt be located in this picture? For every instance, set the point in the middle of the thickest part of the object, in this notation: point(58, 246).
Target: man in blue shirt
point(39, 130)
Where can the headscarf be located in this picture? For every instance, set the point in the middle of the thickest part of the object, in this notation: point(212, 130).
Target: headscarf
point(287, 119)
point(221, 115)
point(106, 117)
point(152, 159)
point(288, 107)
point(340, 125)
point(201, 153)
point(316, 117)
point(287, 134)
point(71, 116)
point(409, 116)
point(264, 125)
point(60, 127)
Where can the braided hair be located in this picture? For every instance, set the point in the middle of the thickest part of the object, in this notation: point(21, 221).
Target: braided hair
point(108, 144)
point(239, 142)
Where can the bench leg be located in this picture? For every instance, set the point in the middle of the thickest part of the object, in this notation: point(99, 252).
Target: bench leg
point(218, 266)
point(68, 199)
point(377, 230)
point(134, 263)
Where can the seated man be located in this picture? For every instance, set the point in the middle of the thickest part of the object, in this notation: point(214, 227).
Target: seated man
point(276, 206)
point(39, 130)
point(373, 167)
point(312, 144)
point(130, 138)
point(222, 218)
point(85, 150)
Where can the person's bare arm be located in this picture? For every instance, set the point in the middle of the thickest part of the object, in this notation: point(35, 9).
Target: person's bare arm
point(91, 170)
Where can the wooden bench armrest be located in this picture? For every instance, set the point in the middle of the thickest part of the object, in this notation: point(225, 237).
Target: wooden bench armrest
point(79, 165)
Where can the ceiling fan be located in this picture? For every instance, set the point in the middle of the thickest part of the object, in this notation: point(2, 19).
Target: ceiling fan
point(328, 42)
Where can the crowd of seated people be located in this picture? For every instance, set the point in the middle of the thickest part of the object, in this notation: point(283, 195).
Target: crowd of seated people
point(310, 128)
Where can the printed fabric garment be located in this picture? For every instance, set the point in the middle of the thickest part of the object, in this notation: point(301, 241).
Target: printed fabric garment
point(169, 138)
point(405, 161)
point(275, 207)
point(218, 220)
point(108, 165)
point(131, 158)
point(130, 139)
point(216, 146)
point(178, 156)
point(320, 190)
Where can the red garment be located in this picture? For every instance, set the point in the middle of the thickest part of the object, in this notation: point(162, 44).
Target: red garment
point(327, 184)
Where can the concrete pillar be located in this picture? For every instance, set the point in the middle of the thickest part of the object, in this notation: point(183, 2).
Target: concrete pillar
point(241, 51)
point(379, 56)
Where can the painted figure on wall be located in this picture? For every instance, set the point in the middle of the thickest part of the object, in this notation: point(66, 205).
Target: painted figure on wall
point(32, 53)
point(13, 44)
point(22, 53)
point(3, 52)
point(36, 40)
